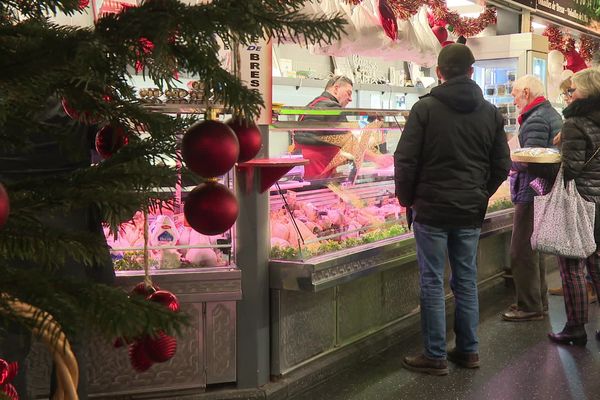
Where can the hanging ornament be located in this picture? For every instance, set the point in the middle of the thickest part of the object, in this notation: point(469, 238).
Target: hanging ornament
point(160, 348)
point(387, 19)
point(249, 138)
point(13, 370)
point(587, 47)
point(4, 372)
point(110, 139)
point(4, 205)
point(165, 298)
point(210, 148)
point(211, 208)
point(10, 392)
point(440, 33)
point(555, 38)
point(146, 48)
point(83, 4)
point(138, 357)
point(141, 289)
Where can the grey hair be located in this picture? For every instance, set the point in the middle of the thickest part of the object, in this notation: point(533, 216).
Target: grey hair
point(533, 83)
point(596, 59)
point(587, 82)
point(338, 78)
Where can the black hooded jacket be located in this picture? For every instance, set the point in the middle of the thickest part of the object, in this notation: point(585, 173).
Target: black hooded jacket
point(452, 156)
point(580, 137)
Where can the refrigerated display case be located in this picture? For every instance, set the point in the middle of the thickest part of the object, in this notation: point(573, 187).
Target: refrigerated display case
point(500, 60)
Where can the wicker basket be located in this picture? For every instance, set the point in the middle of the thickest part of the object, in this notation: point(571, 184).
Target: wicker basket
point(67, 370)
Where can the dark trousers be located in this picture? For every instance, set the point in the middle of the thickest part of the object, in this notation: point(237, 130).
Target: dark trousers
point(529, 272)
point(574, 288)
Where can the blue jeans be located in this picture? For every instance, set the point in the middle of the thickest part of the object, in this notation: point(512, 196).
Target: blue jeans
point(461, 246)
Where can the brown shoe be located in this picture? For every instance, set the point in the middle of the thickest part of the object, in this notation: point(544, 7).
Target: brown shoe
point(557, 291)
point(520, 315)
point(514, 307)
point(465, 360)
point(426, 365)
point(591, 292)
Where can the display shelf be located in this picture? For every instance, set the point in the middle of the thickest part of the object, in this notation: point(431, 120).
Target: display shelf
point(320, 83)
point(372, 112)
point(325, 271)
point(329, 126)
point(183, 108)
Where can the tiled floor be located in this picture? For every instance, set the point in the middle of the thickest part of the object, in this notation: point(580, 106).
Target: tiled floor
point(518, 362)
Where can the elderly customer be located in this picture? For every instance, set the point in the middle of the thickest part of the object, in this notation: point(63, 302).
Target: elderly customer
point(539, 123)
point(580, 141)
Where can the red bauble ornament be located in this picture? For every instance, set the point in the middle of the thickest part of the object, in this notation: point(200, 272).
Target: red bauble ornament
point(138, 358)
point(211, 208)
point(165, 298)
point(13, 370)
point(4, 372)
point(387, 19)
point(110, 139)
point(574, 61)
point(248, 136)
point(4, 205)
point(210, 148)
point(83, 4)
point(447, 42)
point(160, 348)
point(142, 290)
point(85, 117)
point(440, 33)
point(10, 391)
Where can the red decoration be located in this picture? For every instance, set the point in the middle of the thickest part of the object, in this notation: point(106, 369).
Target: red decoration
point(588, 47)
point(462, 26)
point(165, 298)
point(4, 205)
point(83, 4)
point(4, 371)
point(440, 33)
point(10, 391)
point(138, 357)
point(574, 61)
point(110, 139)
point(142, 290)
point(13, 370)
point(387, 19)
point(211, 208)
point(160, 348)
point(85, 117)
point(146, 48)
point(210, 148)
point(249, 138)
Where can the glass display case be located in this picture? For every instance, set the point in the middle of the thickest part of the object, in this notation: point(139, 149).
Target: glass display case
point(351, 201)
point(171, 243)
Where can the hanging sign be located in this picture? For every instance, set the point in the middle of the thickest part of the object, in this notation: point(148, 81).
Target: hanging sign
point(567, 9)
point(255, 72)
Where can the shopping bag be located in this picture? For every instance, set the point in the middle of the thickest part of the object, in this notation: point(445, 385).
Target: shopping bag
point(563, 221)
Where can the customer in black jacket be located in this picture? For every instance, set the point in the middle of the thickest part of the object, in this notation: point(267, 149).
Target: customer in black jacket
point(452, 156)
point(580, 141)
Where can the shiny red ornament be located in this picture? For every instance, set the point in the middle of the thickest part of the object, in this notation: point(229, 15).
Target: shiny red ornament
point(387, 19)
point(110, 139)
point(10, 392)
point(4, 205)
point(165, 298)
point(440, 33)
point(83, 4)
point(447, 42)
point(211, 208)
point(4, 372)
point(574, 61)
point(142, 290)
point(160, 348)
point(85, 117)
point(249, 138)
point(138, 358)
point(210, 148)
point(13, 370)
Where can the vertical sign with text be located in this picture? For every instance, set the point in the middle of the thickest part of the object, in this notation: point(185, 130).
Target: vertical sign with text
point(255, 71)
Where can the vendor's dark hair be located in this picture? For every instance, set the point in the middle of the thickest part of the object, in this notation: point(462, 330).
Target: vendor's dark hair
point(338, 78)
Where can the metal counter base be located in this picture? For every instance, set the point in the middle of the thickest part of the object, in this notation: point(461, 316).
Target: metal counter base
point(206, 351)
point(329, 302)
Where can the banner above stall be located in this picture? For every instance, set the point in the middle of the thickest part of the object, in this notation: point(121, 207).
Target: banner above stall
point(569, 10)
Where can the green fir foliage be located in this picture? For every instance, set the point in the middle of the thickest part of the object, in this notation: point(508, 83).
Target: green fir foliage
point(91, 67)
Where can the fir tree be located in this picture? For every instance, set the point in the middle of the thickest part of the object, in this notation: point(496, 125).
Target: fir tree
point(90, 67)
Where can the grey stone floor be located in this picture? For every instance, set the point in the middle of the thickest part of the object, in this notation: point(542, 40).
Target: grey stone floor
point(518, 362)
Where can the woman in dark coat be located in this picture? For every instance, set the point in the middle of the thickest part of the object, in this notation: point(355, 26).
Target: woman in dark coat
point(580, 140)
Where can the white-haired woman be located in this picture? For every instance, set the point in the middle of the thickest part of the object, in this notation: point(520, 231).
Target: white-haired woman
point(580, 140)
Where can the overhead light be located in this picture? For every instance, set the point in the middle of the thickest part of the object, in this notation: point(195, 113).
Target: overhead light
point(459, 3)
point(537, 25)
